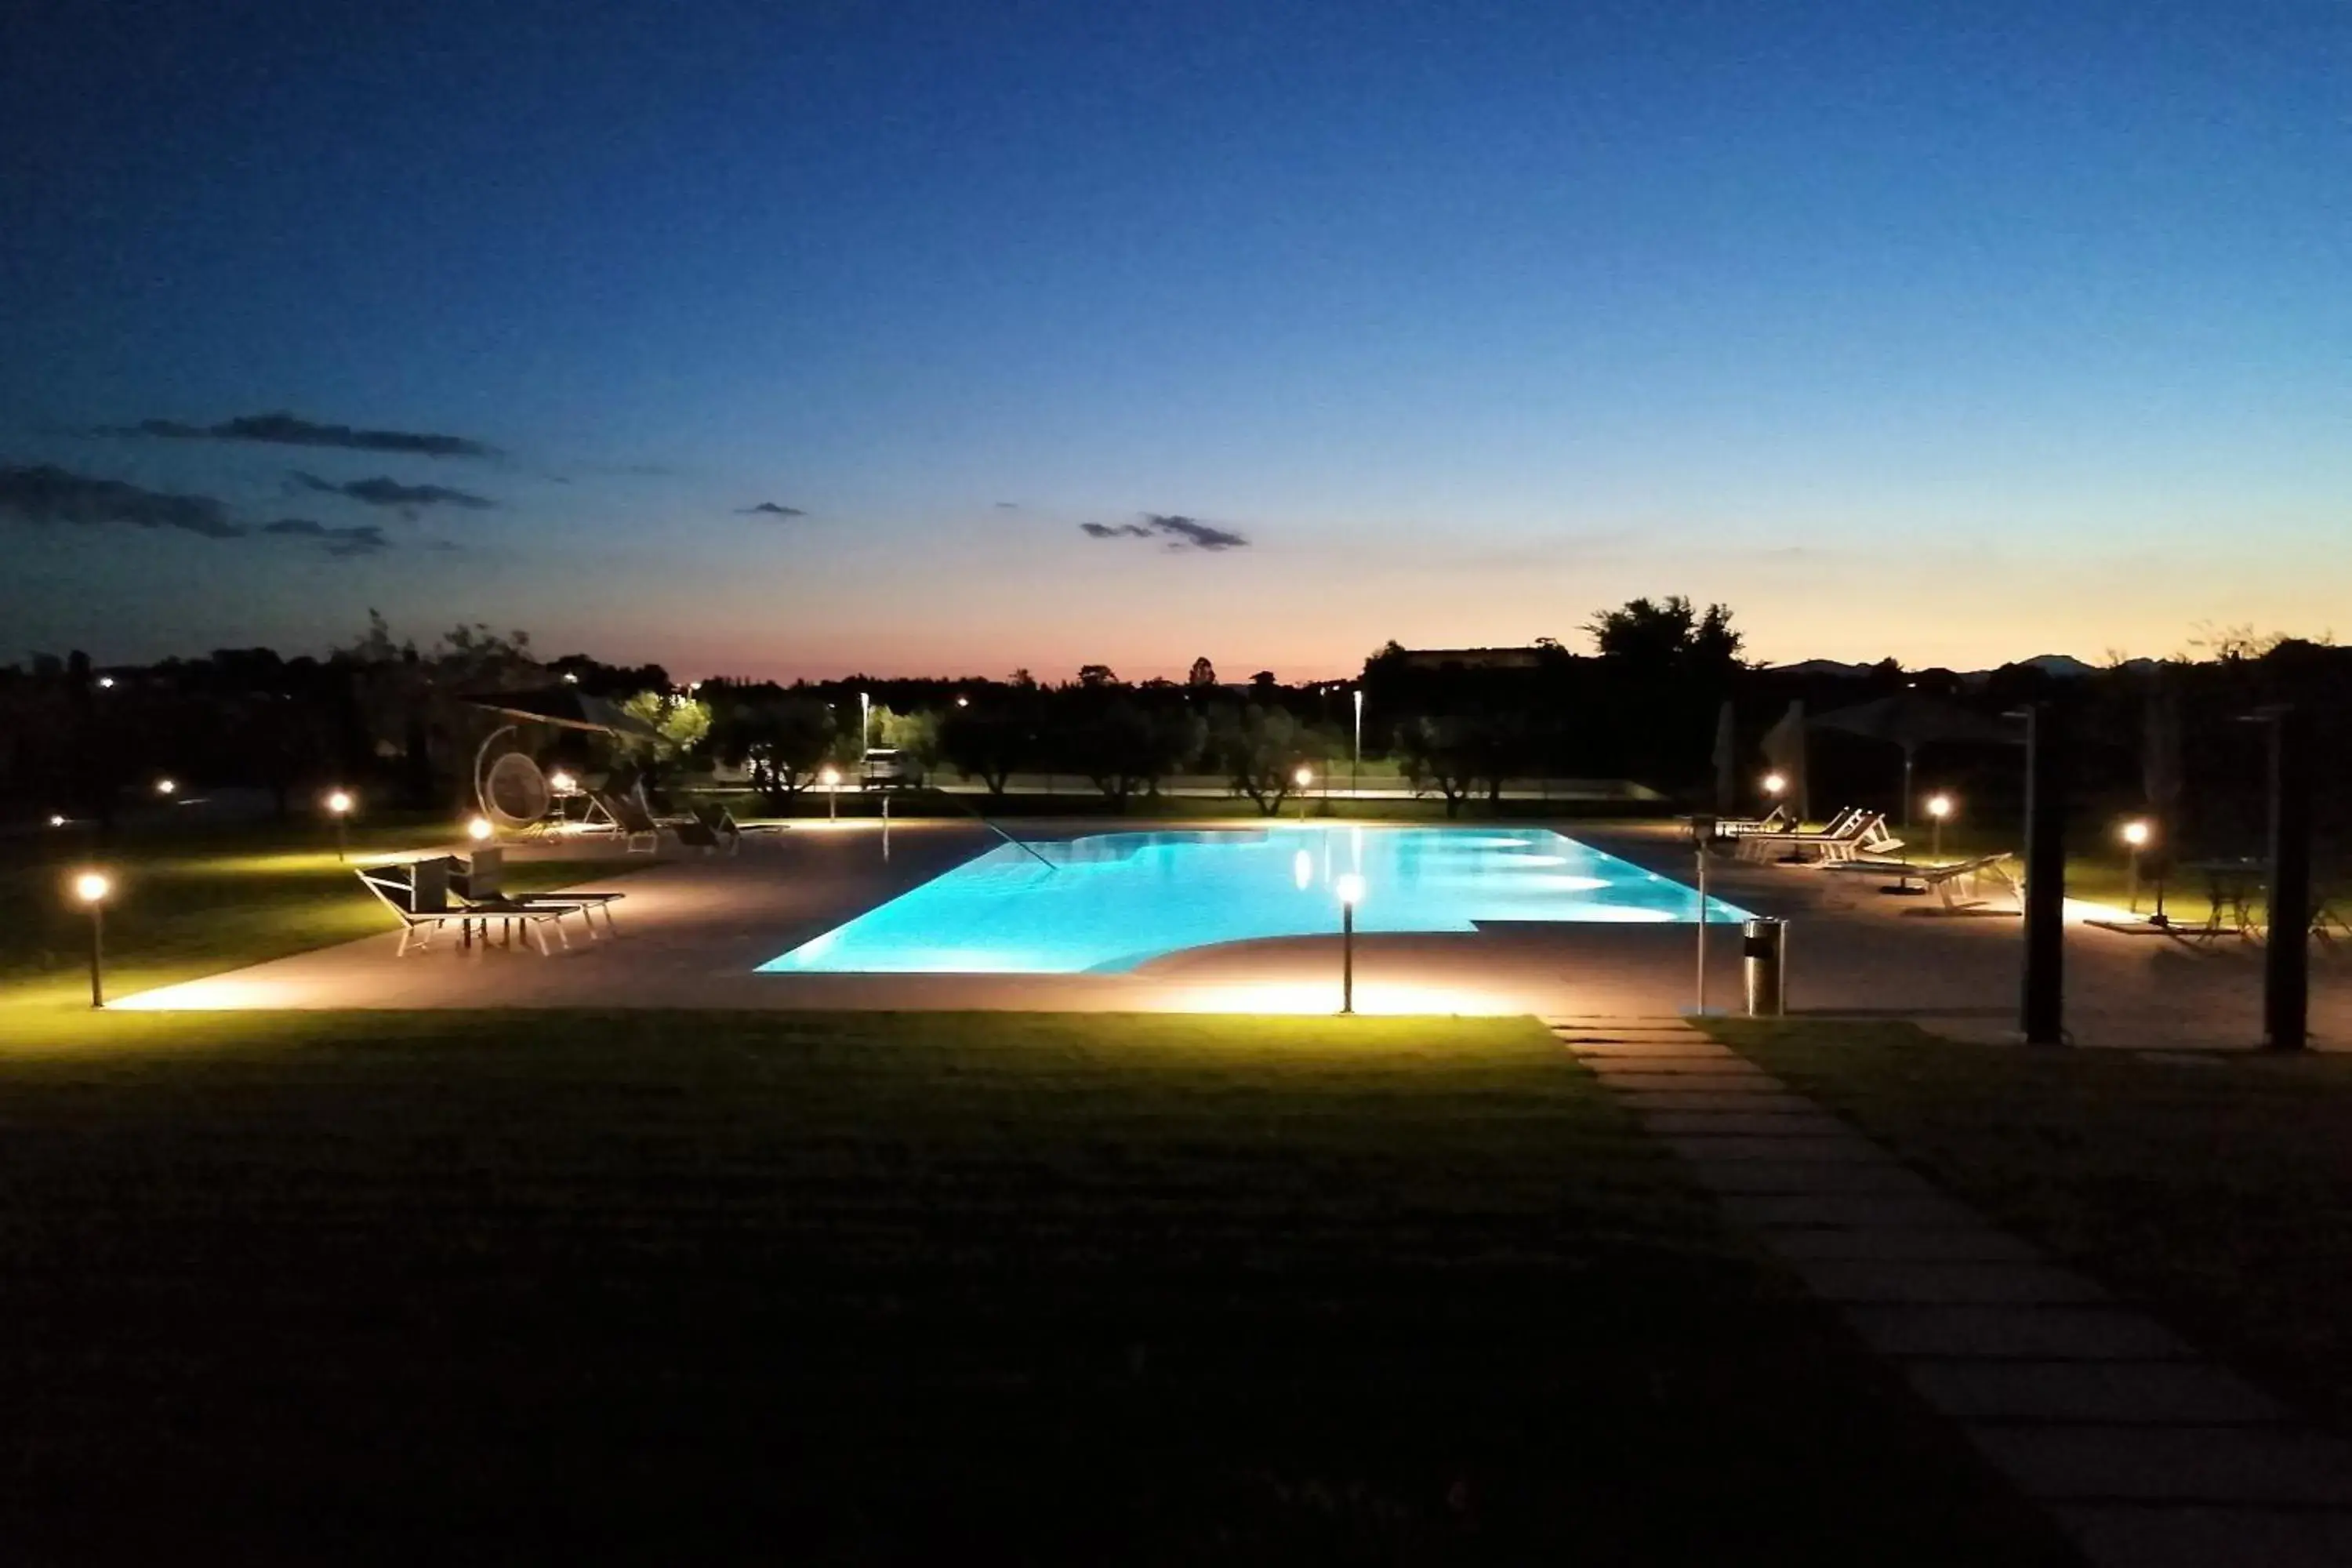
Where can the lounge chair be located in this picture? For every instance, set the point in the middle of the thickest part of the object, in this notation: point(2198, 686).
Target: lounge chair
point(1942, 881)
point(1777, 820)
point(631, 817)
point(421, 900)
point(482, 884)
point(710, 829)
point(1851, 835)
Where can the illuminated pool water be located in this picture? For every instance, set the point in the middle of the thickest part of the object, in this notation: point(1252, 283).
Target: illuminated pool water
point(1111, 902)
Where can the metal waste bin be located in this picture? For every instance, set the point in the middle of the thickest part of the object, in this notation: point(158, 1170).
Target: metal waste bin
point(1764, 951)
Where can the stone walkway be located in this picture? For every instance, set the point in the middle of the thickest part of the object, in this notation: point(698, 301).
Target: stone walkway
point(2148, 1456)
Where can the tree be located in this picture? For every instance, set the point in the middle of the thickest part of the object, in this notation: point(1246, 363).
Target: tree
point(1448, 754)
point(1260, 750)
point(785, 739)
point(1203, 673)
point(681, 722)
point(987, 746)
point(1121, 747)
point(1096, 676)
point(1656, 637)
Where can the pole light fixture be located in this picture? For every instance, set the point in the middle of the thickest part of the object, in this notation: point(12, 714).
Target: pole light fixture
point(339, 806)
point(1349, 886)
point(1939, 807)
point(1774, 784)
point(831, 779)
point(2136, 835)
point(480, 829)
point(92, 888)
point(166, 786)
point(1304, 777)
point(1356, 763)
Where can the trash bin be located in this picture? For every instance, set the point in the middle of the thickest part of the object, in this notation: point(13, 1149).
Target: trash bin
point(1764, 951)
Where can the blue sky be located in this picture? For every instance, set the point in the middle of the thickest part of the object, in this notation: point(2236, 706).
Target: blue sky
point(1955, 334)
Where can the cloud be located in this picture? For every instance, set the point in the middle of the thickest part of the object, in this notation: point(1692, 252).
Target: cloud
point(1181, 532)
point(1008, 506)
point(358, 539)
point(769, 509)
point(382, 491)
point(52, 495)
point(292, 430)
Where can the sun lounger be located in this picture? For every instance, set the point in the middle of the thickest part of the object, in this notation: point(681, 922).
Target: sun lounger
point(1777, 820)
point(482, 883)
point(1942, 881)
point(1852, 834)
point(421, 900)
point(632, 818)
point(710, 830)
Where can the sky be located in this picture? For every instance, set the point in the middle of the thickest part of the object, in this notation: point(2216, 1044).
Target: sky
point(784, 340)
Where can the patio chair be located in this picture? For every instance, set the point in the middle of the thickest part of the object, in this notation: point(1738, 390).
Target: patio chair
point(1853, 833)
point(710, 829)
point(482, 883)
point(421, 901)
point(1942, 881)
point(1777, 820)
point(632, 818)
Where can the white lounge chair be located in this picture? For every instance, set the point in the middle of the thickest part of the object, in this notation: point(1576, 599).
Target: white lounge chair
point(421, 901)
point(1777, 820)
point(1940, 880)
point(482, 884)
point(1851, 835)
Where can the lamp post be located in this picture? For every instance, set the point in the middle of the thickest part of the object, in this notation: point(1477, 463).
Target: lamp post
point(1356, 764)
point(1939, 807)
point(2135, 836)
point(91, 888)
point(1302, 779)
point(865, 733)
point(831, 779)
point(1350, 888)
point(339, 806)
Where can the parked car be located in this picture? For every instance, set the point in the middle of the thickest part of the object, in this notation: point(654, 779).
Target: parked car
point(887, 767)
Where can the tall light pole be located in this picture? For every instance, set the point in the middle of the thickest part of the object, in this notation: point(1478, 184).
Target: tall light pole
point(2135, 834)
point(91, 888)
point(831, 779)
point(865, 733)
point(339, 806)
point(1303, 778)
point(1939, 807)
point(1350, 888)
point(1356, 767)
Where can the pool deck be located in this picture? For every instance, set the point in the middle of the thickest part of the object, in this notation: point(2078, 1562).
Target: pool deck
point(694, 928)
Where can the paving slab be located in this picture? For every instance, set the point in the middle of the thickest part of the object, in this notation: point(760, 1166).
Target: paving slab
point(1839, 1146)
point(1816, 1177)
point(2015, 1333)
point(1848, 1210)
point(1743, 1121)
point(2156, 1535)
point(1743, 1099)
point(2099, 1393)
point(1695, 1048)
point(1947, 1244)
point(1943, 1282)
point(1648, 1077)
point(2172, 1464)
point(1725, 1066)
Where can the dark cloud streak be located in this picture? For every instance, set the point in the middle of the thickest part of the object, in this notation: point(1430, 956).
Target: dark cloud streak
point(292, 430)
point(358, 538)
point(1181, 532)
point(47, 494)
point(386, 491)
point(769, 509)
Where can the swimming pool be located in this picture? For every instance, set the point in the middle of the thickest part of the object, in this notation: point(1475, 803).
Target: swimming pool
point(1111, 902)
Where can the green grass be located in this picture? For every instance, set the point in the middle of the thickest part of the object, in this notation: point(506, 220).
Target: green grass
point(2215, 1189)
point(907, 1288)
point(190, 902)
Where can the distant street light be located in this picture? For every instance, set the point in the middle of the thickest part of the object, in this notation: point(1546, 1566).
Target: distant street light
point(339, 806)
point(57, 820)
point(92, 888)
point(1350, 888)
point(964, 701)
point(1774, 783)
point(106, 683)
point(2136, 835)
point(1356, 764)
point(165, 787)
point(1939, 807)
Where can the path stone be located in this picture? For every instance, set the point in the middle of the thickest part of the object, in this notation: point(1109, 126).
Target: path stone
point(2149, 1456)
point(2175, 1393)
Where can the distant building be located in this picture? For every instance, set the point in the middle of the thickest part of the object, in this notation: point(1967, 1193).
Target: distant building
point(1474, 657)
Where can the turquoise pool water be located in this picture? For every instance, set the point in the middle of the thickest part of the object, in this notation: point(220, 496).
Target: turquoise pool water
point(1111, 901)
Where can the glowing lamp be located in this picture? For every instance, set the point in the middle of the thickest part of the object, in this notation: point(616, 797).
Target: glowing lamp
point(1939, 807)
point(92, 887)
point(1303, 777)
point(57, 820)
point(1774, 783)
point(106, 683)
point(165, 787)
point(1349, 886)
point(339, 802)
point(2136, 833)
point(562, 783)
point(479, 830)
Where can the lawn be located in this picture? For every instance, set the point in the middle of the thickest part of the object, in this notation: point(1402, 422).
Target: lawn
point(193, 901)
point(2216, 1189)
point(910, 1288)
